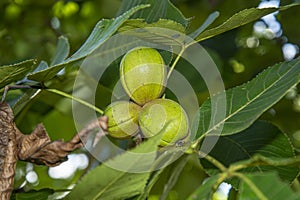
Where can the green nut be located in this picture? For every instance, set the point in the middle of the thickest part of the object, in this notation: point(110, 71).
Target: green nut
point(143, 74)
point(122, 119)
point(166, 117)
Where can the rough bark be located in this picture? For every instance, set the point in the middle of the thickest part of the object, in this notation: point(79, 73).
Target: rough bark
point(8, 151)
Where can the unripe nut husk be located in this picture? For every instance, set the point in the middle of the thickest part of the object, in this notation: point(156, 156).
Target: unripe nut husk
point(122, 119)
point(166, 117)
point(143, 74)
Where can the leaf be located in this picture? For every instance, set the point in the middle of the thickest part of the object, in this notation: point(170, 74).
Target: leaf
point(239, 19)
point(179, 178)
point(205, 191)
point(42, 66)
point(62, 51)
point(162, 9)
point(170, 159)
point(103, 30)
point(164, 31)
point(245, 103)
point(144, 195)
point(176, 171)
point(15, 72)
point(210, 19)
point(269, 185)
point(161, 23)
point(24, 100)
point(261, 138)
point(105, 182)
point(34, 194)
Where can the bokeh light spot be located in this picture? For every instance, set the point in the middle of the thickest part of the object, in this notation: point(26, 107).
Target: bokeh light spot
point(32, 177)
point(237, 66)
point(68, 168)
point(290, 51)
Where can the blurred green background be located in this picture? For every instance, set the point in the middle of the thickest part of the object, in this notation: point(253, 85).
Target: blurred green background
point(30, 28)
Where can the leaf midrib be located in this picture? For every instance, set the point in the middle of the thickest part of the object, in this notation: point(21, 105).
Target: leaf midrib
point(238, 110)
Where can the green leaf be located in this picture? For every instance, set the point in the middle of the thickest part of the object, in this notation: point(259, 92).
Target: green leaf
point(144, 195)
point(261, 138)
point(62, 51)
point(15, 72)
point(180, 178)
point(105, 182)
point(103, 30)
point(43, 65)
point(162, 9)
point(239, 19)
point(164, 31)
point(170, 158)
point(210, 19)
point(24, 100)
point(205, 191)
point(34, 194)
point(176, 171)
point(161, 23)
point(269, 185)
point(245, 103)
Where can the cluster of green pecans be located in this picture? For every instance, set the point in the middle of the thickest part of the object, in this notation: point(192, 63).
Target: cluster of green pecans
point(143, 76)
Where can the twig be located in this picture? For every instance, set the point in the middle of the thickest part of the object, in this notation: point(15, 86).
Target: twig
point(8, 87)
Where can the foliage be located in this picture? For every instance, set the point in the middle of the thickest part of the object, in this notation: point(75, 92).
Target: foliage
point(251, 154)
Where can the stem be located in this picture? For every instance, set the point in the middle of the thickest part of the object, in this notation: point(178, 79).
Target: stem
point(296, 185)
point(253, 187)
point(263, 161)
point(175, 62)
point(220, 180)
point(215, 162)
point(8, 87)
point(76, 99)
point(196, 142)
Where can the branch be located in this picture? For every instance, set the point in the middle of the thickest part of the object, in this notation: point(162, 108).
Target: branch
point(8, 151)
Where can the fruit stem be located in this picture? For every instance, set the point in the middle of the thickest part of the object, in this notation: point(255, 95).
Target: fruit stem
point(76, 99)
point(183, 48)
point(175, 62)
